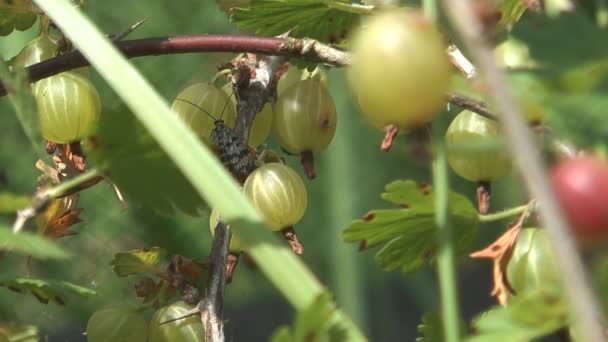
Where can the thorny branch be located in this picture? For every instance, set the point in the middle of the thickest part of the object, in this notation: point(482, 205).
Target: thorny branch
point(533, 173)
point(212, 306)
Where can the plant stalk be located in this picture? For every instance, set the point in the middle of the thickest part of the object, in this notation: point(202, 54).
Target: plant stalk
point(448, 284)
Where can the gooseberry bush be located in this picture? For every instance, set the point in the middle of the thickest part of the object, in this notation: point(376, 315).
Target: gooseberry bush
point(465, 96)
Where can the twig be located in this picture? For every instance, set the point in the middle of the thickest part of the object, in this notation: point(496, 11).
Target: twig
point(44, 197)
point(120, 36)
point(212, 306)
point(461, 62)
point(528, 159)
point(305, 48)
point(471, 104)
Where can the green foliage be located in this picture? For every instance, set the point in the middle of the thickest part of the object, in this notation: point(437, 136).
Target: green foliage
point(431, 328)
point(410, 232)
point(526, 317)
point(45, 290)
point(14, 332)
point(10, 203)
point(137, 261)
point(511, 11)
point(24, 104)
point(313, 324)
point(547, 38)
point(306, 18)
point(30, 244)
point(137, 164)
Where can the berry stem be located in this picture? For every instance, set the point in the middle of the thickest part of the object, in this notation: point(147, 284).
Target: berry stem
point(290, 235)
point(501, 215)
point(484, 190)
point(308, 164)
point(390, 132)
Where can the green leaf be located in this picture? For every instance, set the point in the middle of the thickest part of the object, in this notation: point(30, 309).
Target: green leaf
point(511, 11)
point(316, 19)
point(410, 232)
point(431, 328)
point(315, 323)
point(282, 334)
point(526, 317)
point(140, 168)
point(565, 41)
point(10, 203)
point(24, 104)
point(30, 244)
point(45, 290)
point(16, 332)
point(137, 261)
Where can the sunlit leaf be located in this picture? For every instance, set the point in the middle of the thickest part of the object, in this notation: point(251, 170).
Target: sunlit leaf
point(306, 18)
point(409, 233)
point(137, 261)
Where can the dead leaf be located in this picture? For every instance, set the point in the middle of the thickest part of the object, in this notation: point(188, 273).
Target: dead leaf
point(147, 289)
point(500, 252)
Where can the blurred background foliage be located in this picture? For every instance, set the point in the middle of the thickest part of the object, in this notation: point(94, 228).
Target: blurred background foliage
point(352, 174)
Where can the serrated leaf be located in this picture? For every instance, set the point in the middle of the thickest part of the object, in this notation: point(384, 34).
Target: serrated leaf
point(137, 261)
point(10, 203)
point(313, 324)
point(565, 41)
point(306, 18)
point(24, 104)
point(45, 290)
point(15, 332)
point(526, 317)
point(30, 244)
point(409, 233)
point(431, 328)
point(137, 164)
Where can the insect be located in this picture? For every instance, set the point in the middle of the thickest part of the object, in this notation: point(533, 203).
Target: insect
point(233, 151)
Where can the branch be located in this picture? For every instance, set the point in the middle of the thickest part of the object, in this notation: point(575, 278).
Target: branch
point(212, 306)
point(533, 173)
point(471, 104)
point(305, 48)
